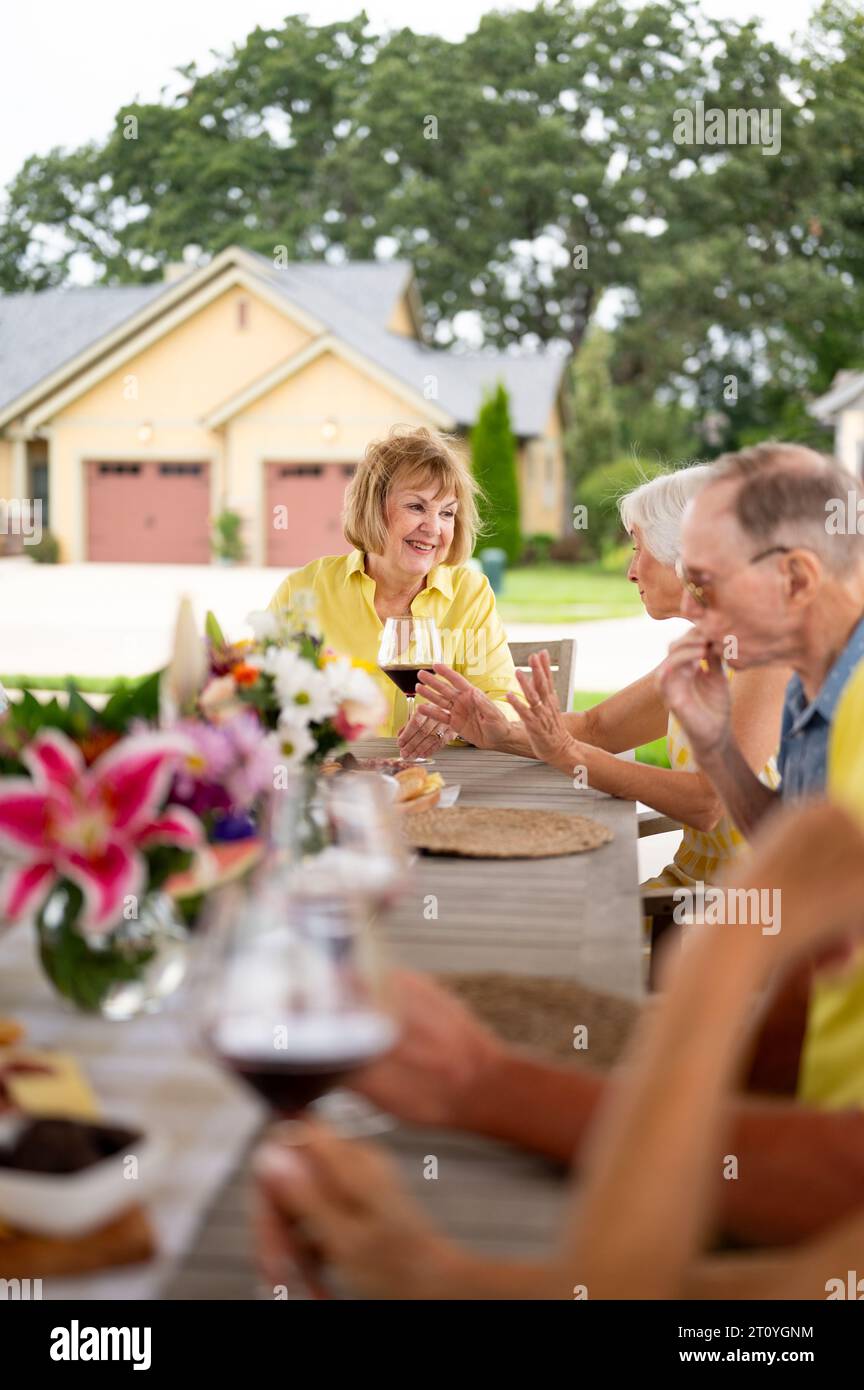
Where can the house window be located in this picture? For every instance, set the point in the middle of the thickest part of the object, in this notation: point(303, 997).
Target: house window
point(131, 468)
point(180, 470)
point(242, 313)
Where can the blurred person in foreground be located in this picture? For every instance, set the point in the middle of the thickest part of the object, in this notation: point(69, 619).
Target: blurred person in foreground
point(651, 1189)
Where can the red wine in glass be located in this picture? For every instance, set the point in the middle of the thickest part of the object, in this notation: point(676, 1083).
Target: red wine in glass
point(294, 1062)
point(405, 677)
point(408, 646)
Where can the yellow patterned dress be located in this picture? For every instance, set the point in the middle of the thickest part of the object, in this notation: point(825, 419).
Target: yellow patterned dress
point(702, 854)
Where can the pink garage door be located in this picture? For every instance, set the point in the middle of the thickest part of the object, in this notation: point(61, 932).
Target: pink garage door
point(139, 512)
point(304, 507)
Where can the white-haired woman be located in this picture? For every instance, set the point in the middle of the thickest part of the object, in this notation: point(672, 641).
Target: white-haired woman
point(583, 746)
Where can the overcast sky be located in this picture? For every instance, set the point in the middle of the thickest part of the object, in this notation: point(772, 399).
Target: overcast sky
point(69, 67)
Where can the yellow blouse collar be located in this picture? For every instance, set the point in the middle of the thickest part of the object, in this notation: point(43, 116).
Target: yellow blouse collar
point(440, 577)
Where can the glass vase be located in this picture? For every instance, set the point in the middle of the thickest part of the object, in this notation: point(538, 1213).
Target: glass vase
point(129, 970)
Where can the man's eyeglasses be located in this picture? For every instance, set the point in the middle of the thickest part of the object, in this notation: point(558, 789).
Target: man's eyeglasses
point(702, 593)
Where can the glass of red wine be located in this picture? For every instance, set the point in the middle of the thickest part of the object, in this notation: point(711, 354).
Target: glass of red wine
point(293, 999)
point(408, 646)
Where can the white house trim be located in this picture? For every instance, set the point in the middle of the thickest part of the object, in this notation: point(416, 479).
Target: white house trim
point(20, 484)
point(328, 342)
point(846, 395)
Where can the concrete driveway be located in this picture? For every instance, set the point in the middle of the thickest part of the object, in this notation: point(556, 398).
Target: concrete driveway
point(106, 620)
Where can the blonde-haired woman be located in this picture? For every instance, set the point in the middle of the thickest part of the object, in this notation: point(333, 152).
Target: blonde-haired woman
point(584, 745)
point(411, 514)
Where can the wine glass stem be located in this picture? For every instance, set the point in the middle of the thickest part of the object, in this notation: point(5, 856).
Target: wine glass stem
point(411, 702)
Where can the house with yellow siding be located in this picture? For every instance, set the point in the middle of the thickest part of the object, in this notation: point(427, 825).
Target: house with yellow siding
point(137, 413)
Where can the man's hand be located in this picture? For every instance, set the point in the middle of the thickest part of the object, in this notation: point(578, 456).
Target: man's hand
point(693, 686)
point(541, 715)
point(442, 1059)
point(453, 700)
point(422, 736)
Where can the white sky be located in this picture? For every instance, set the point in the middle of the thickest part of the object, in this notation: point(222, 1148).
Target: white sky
point(68, 67)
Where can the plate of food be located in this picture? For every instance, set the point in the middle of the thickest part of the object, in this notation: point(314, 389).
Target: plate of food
point(417, 789)
point(412, 786)
point(63, 1177)
point(388, 767)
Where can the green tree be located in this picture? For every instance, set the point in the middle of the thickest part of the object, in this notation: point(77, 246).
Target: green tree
point(493, 453)
point(594, 435)
point(525, 171)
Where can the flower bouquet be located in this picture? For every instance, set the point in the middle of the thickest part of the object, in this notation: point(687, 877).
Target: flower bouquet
point(304, 701)
point(103, 809)
point(90, 837)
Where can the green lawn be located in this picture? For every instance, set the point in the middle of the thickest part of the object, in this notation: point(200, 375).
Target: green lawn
point(88, 685)
point(653, 753)
point(566, 594)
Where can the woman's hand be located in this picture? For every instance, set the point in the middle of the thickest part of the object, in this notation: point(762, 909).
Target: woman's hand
point(542, 717)
point(326, 1201)
point(422, 735)
point(453, 700)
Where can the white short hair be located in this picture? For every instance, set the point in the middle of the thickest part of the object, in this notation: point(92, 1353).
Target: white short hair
point(657, 507)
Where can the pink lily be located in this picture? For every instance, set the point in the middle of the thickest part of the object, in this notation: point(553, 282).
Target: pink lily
point(89, 825)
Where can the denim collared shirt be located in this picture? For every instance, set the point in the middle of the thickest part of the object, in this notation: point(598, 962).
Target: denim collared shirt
point(802, 758)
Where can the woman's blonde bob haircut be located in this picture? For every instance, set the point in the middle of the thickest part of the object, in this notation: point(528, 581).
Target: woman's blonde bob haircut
point(410, 454)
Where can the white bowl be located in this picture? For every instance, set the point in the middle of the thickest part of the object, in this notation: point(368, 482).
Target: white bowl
point(70, 1204)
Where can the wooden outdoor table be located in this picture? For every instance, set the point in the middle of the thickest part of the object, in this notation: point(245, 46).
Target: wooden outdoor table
point(576, 917)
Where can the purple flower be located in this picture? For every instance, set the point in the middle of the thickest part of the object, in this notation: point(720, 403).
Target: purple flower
point(229, 764)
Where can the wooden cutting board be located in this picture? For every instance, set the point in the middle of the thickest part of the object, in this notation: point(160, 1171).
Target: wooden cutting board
point(127, 1240)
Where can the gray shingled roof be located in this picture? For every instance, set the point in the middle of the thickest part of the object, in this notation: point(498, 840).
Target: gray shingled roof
point(531, 379)
point(39, 332)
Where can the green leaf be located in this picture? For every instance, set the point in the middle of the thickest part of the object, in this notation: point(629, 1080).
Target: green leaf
point(213, 630)
point(165, 860)
point(80, 971)
point(81, 715)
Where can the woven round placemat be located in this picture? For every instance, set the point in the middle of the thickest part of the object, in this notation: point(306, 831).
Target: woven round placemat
point(541, 1013)
point(502, 832)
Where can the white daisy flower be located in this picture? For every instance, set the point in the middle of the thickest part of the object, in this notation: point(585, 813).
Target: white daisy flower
point(294, 743)
point(303, 693)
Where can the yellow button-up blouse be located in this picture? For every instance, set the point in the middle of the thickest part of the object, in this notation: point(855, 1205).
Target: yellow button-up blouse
point(460, 600)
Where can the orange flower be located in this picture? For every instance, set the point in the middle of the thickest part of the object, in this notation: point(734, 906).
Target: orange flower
point(244, 674)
